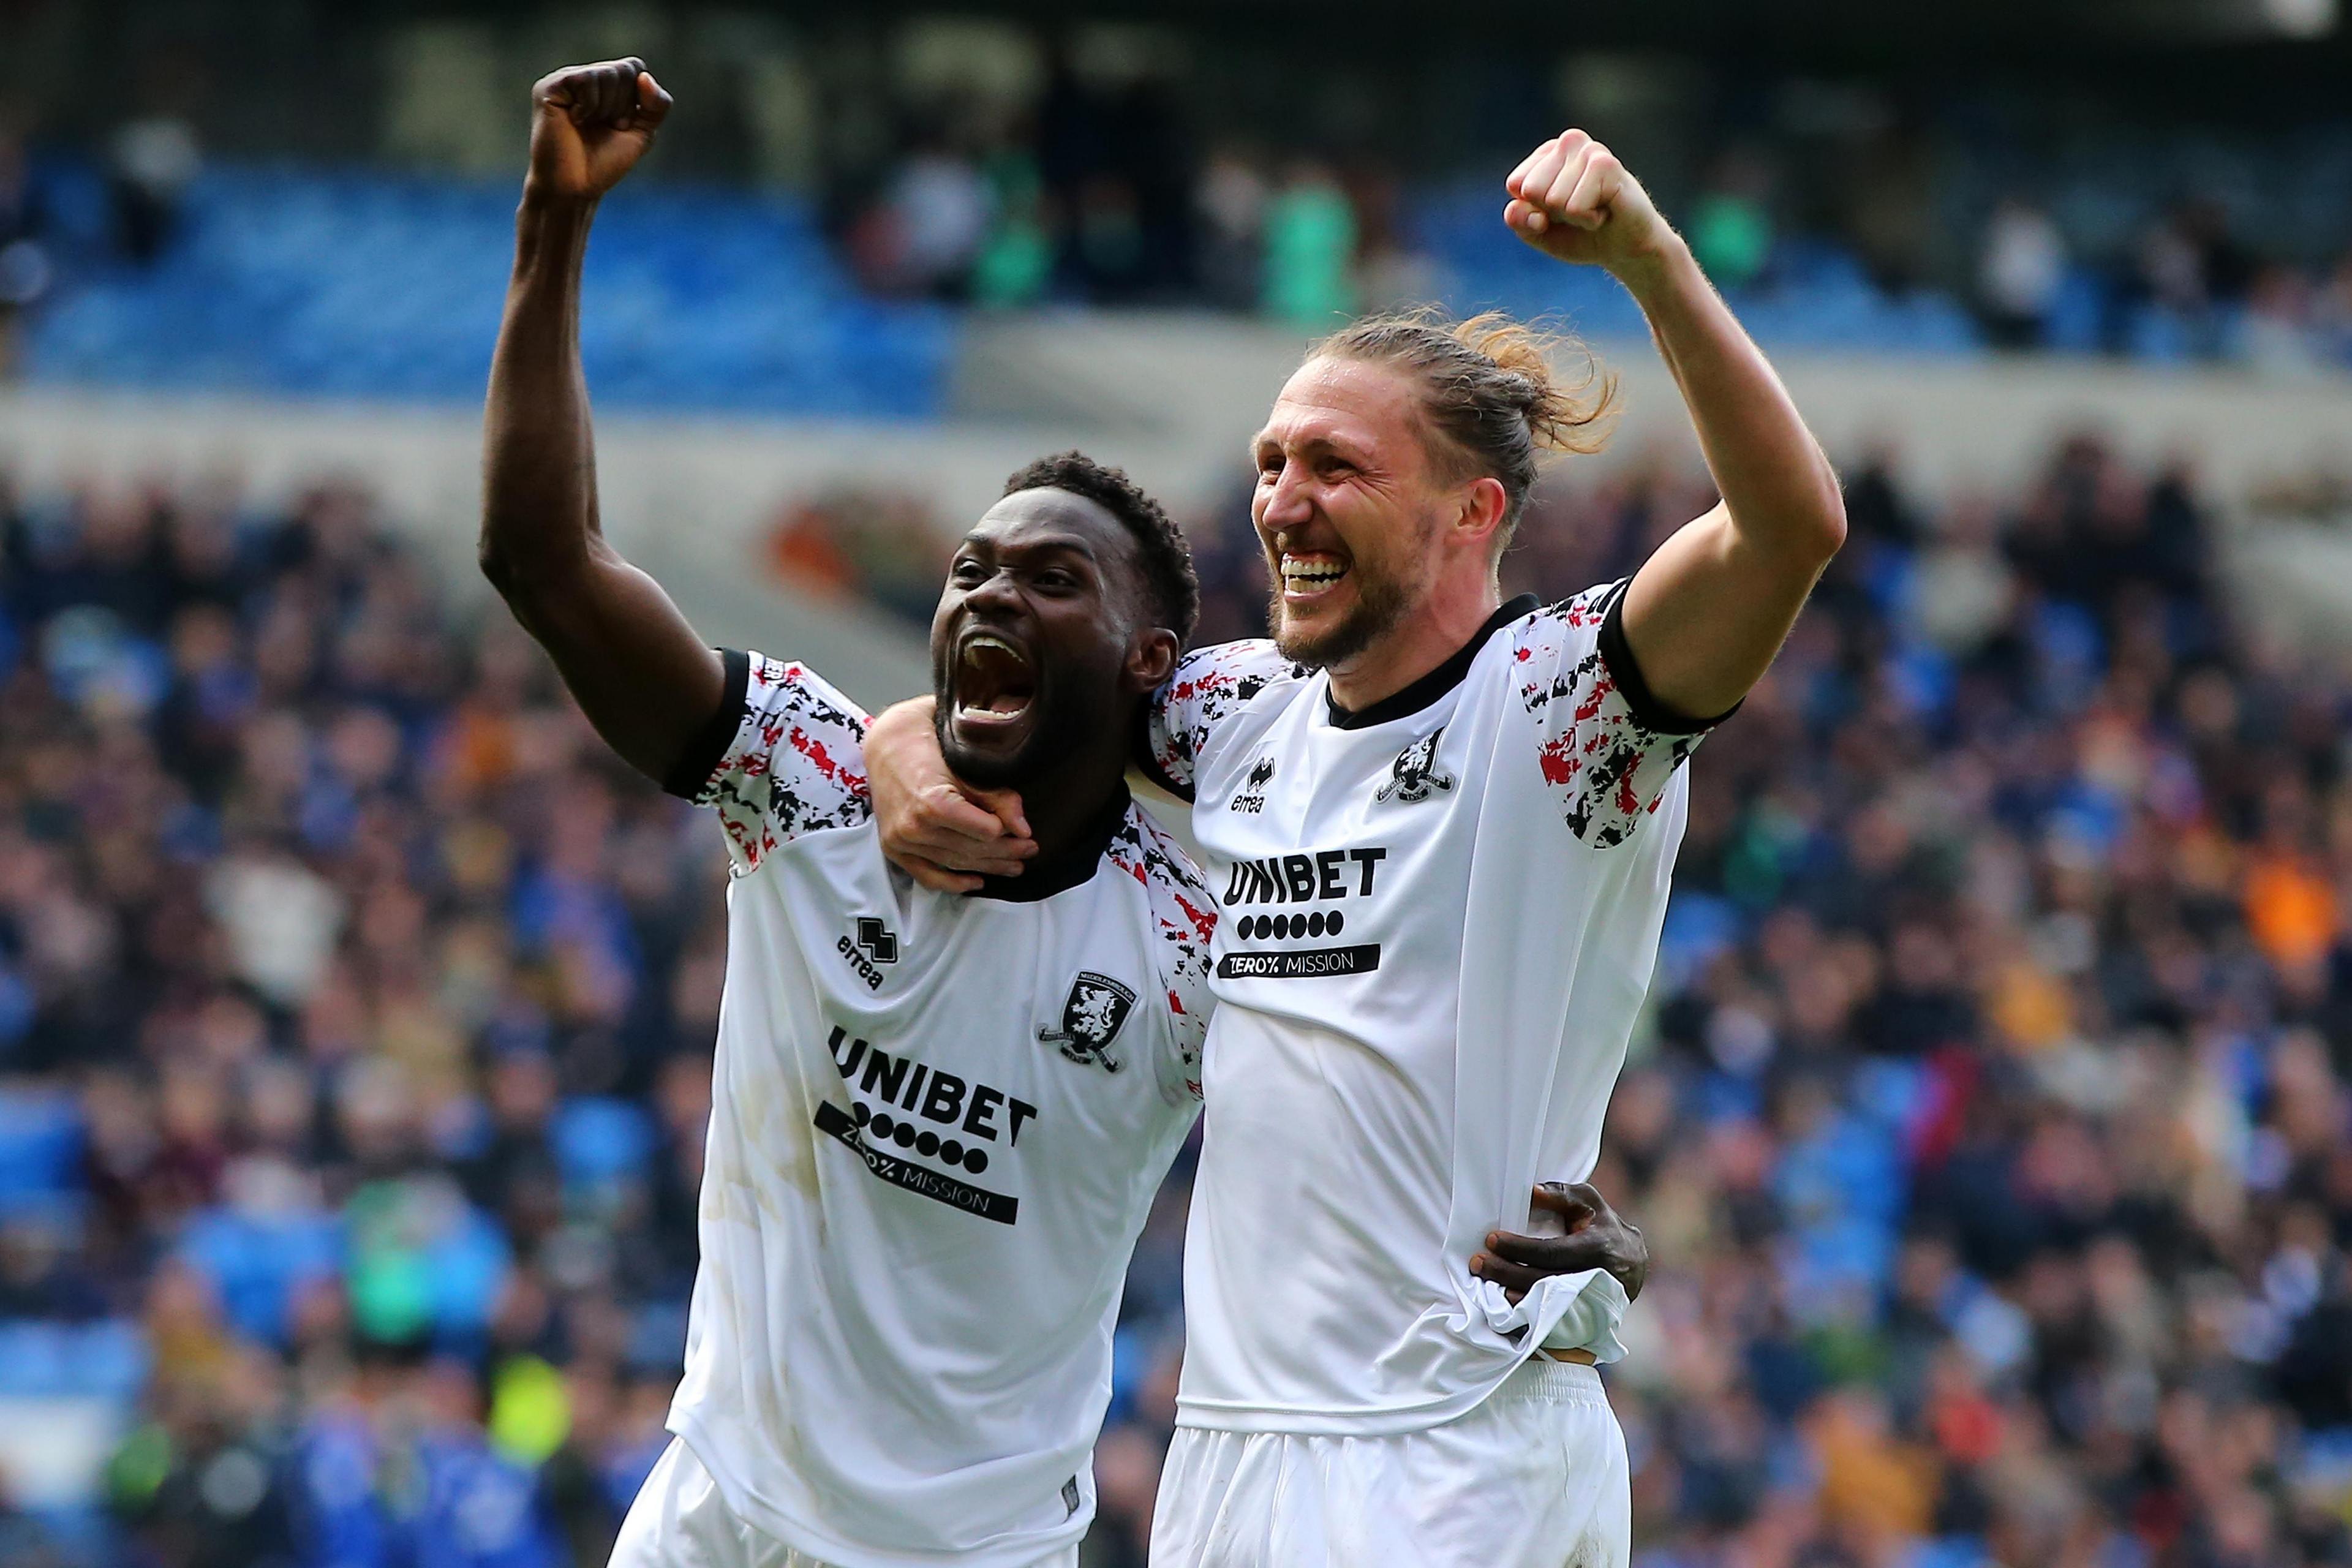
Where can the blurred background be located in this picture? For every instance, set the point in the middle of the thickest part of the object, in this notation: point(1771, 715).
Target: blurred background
point(1990, 1119)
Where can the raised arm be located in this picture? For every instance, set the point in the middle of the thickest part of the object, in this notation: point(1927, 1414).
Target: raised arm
point(1705, 615)
point(646, 681)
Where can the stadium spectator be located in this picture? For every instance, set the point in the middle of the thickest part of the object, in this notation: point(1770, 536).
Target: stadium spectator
point(2020, 266)
point(2280, 336)
point(1310, 249)
point(932, 224)
point(1232, 197)
point(2195, 275)
point(1731, 223)
point(151, 159)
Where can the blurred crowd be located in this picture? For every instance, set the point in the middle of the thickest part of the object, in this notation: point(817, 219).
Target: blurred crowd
point(1012, 165)
point(379, 1000)
point(1987, 1127)
point(1122, 188)
point(2186, 288)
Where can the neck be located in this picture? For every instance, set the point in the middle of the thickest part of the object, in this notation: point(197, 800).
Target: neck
point(1430, 634)
point(1072, 811)
point(1065, 807)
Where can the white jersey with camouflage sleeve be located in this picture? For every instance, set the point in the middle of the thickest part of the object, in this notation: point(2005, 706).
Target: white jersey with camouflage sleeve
point(938, 1124)
point(1439, 918)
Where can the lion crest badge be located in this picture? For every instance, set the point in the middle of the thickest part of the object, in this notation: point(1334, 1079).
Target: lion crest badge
point(1092, 1015)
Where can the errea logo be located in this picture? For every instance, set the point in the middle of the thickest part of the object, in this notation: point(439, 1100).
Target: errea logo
point(1252, 798)
point(880, 943)
point(875, 943)
point(1415, 776)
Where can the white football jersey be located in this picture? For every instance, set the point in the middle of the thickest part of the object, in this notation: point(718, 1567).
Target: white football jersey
point(1439, 920)
point(937, 1126)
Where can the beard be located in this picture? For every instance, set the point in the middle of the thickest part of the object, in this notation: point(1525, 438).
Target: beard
point(1065, 719)
point(1383, 600)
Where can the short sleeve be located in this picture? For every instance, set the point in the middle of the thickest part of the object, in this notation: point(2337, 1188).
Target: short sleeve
point(1184, 918)
point(783, 756)
point(1605, 744)
point(1210, 686)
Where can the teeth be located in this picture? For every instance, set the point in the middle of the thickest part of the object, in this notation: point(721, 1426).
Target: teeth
point(1312, 573)
point(990, 640)
point(1000, 703)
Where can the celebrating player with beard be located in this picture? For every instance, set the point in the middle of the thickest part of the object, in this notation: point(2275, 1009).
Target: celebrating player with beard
point(1441, 828)
point(936, 1123)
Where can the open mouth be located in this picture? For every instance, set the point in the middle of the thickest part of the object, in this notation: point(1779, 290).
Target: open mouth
point(995, 681)
point(1309, 574)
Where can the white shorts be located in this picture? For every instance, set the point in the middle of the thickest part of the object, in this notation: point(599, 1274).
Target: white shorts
point(1534, 1477)
point(680, 1521)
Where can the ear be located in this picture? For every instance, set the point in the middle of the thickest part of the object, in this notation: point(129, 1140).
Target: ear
point(1484, 501)
point(1150, 658)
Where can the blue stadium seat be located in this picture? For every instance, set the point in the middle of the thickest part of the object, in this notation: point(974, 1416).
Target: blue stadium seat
point(1817, 295)
point(365, 284)
point(257, 1264)
point(2077, 321)
point(40, 1147)
point(105, 1360)
point(598, 1140)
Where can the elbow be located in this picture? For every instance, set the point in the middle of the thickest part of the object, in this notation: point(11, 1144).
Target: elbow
point(512, 576)
point(1829, 515)
point(1831, 526)
point(497, 566)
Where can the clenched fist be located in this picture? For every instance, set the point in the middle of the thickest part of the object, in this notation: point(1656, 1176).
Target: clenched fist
point(1570, 198)
point(589, 125)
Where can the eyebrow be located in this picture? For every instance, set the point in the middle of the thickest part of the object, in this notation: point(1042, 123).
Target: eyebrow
point(1351, 450)
point(1075, 543)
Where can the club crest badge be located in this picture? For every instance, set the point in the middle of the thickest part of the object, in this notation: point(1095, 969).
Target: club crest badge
point(1415, 776)
point(1092, 1015)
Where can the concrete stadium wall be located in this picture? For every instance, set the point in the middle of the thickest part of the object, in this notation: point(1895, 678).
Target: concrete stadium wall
point(1951, 423)
point(1174, 397)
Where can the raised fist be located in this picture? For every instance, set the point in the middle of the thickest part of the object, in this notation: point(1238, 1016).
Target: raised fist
point(1570, 198)
point(589, 125)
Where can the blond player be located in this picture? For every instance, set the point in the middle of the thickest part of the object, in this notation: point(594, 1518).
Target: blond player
point(1441, 828)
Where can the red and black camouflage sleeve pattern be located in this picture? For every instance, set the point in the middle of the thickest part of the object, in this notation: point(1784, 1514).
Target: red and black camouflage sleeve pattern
point(1185, 917)
point(796, 764)
point(1209, 684)
point(1605, 747)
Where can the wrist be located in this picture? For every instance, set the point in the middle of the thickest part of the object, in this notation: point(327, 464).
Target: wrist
point(1659, 270)
point(543, 204)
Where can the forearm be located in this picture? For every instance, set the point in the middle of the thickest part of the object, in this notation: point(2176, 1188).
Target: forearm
point(539, 476)
point(1779, 493)
point(1706, 614)
point(645, 679)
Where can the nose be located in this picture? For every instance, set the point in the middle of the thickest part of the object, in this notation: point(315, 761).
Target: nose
point(994, 594)
point(1286, 503)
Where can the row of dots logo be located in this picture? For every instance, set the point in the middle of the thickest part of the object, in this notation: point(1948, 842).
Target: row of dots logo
point(885, 1127)
point(1257, 927)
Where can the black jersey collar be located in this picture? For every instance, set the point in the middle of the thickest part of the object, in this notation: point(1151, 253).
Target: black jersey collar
point(1073, 867)
point(1430, 687)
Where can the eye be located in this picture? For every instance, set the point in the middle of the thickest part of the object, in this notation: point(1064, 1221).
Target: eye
point(1057, 577)
point(966, 569)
